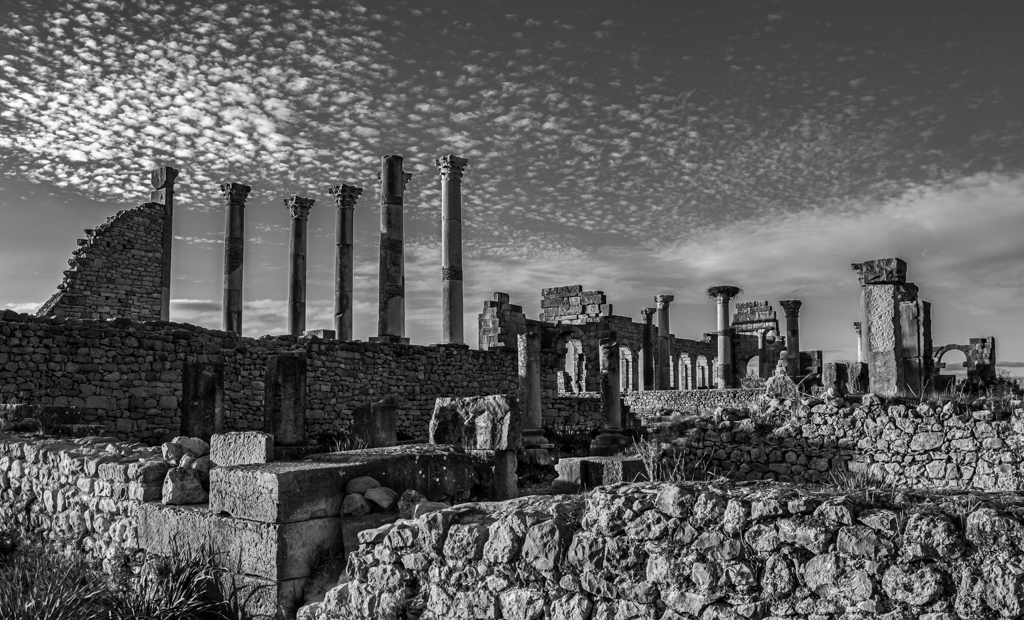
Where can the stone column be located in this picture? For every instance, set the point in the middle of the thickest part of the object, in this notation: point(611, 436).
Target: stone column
point(648, 345)
point(284, 399)
point(234, 252)
point(726, 377)
point(298, 208)
point(611, 440)
point(391, 287)
point(792, 309)
point(345, 197)
point(530, 397)
point(664, 381)
point(451, 168)
point(162, 179)
point(762, 353)
point(860, 349)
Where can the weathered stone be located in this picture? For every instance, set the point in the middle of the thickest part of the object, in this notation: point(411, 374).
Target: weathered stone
point(862, 541)
point(919, 588)
point(383, 497)
point(284, 399)
point(546, 544)
point(521, 604)
point(355, 505)
point(361, 485)
point(465, 542)
point(241, 448)
point(505, 540)
point(573, 606)
point(193, 445)
point(478, 423)
point(182, 486)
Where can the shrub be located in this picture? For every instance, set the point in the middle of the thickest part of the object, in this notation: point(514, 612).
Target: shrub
point(39, 584)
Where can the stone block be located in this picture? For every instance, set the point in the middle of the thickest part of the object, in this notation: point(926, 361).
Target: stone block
point(351, 526)
point(882, 271)
point(845, 377)
point(575, 474)
point(562, 291)
point(284, 399)
point(478, 422)
point(202, 404)
point(376, 423)
point(241, 448)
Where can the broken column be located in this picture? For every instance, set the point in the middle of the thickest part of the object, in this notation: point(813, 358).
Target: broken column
point(234, 250)
point(664, 381)
point(611, 440)
point(883, 287)
point(648, 348)
point(723, 295)
point(162, 179)
point(345, 197)
point(860, 349)
point(792, 309)
point(762, 353)
point(391, 277)
point(298, 208)
point(451, 169)
point(284, 399)
point(916, 342)
point(534, 442)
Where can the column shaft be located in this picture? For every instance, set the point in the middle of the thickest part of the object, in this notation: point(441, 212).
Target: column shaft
point(234, 253)
point(860, 344)
point(725, 371)
point(451, 169)
point(792, 308)
point(391, 278)
point(299, 208)
point(162, 180)
point(345, 197)
point(648, 349)
point(611, 391)
point(664, 381)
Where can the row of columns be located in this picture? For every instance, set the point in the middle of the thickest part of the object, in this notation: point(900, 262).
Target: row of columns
point(391, 283)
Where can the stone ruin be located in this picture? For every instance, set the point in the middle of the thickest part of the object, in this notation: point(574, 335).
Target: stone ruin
point(103, 354)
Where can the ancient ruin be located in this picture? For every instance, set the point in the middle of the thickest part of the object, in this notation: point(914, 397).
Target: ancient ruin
point(182, 438)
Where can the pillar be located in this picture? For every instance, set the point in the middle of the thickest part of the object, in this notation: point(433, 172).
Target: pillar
point(792, 309)
point(883, 287)
point(860, 349)
point(202, 398)
point(234, 251)
point(762, 353)
point(451, 169)
point(284, 399)
point(611, 440)
point(298, 208)
point(162, 179)
point(648, 345)
point(664, 380)
point(726, 378)
point(345, 197)
point(391, 277)
point(530, 396)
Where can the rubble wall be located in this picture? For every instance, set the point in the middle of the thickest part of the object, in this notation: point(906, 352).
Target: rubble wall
point(677, 551)
point(689, 400)
point(116, 270)
point(128, 375)
point(579, 412)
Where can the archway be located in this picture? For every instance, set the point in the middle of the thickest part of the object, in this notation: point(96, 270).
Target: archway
point(685, 373)
point(752, 374)
point(702, 372)
point(951, 365)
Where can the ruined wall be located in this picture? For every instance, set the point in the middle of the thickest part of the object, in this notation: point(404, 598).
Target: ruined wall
point(128, 376)
point(690, 401)
point(580, 412)
point(116, 270)
point(691, 550)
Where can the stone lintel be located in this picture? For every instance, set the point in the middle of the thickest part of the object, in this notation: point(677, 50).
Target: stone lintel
point(298, 207)
point(235, 193)
point(345, 195)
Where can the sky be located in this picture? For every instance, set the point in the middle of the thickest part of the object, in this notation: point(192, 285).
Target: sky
point(637, 148)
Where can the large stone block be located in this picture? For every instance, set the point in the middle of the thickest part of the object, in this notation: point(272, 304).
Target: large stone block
point(241, 448)
point(478, 422)
point(376, 423)
point(284, 399)
point(882, 337)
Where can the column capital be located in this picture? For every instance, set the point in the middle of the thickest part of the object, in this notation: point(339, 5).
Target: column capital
point(647, 313)
point(298, 207)
point(345, 195)
point(235, 193)
point(792, 307)
point(163, 176)
point(662, 301)
point(856, 326)
point(451, 167)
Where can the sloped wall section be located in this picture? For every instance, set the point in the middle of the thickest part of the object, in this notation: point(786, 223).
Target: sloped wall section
point(116, 270)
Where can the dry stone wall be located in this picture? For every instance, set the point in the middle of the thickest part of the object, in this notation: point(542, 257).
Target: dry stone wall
point(681, 551)
point(647, 403)
point(116, 270)
point(127, 376)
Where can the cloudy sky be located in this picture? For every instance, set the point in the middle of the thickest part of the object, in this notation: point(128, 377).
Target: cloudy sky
point(632, 147)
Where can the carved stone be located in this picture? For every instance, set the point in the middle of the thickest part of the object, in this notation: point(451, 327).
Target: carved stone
point(345, 197)
point(881, 271)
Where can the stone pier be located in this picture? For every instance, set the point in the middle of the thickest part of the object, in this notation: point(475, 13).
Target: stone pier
point(451, 169)
point(884, 287)
point(284, 399)
point(916, 333)
point(234, 195)
point(345, 197)
point(792, 309)
point(648, 349)
point(534, 442)
point(298, 208)
point(762, 354)
point(611, 440)
point(723, 295)
point(391, 287)
point(162, 179)
point(664, 381)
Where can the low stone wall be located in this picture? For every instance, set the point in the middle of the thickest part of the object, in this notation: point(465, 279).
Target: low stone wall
point(689, 550)
point(581, 412)
point(689, 400)
point(909, 447)
point(128, 375)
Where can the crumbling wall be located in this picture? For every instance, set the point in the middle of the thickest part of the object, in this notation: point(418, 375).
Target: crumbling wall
point(690, 401)
point(128, 375)
point(692, 550)
point(116, 270)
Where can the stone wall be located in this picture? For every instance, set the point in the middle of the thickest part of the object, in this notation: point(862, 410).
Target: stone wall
point(580, 412)
point(116, 270)
point(128, 375)
point(907, 447)
point(690, 400)
point(667, 551)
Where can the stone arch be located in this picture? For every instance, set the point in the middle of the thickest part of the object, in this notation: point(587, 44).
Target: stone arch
point(703, 372)
point(752, 367)
point(628, 368)
point(568, 348)
point(685, 370)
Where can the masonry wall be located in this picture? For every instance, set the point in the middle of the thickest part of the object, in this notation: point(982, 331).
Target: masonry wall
point(128, 375)
point(689, 401)
point(665, 551)
point(116, 270)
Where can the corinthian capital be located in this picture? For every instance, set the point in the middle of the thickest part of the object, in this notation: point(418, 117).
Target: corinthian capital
point(345, 195)
point(647, 313)
point(235, 193)
point(163, 176)
point(299, 207)
point(451, 167)
point(662, 301)
point(792, 307)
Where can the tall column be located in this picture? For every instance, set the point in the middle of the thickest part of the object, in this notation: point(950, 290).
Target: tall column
point(648, 345)
point(530, 398)
point(162, 179)
point(762, 353)
point(451, 169)
point(723, 295)
point(611, 440)
point(234, 253)
point(792, 308)
point(860, 349)
point(664, 381)
point(345, 197)
point(298, 208)
point(391, 287)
